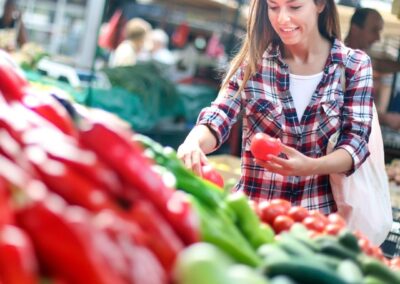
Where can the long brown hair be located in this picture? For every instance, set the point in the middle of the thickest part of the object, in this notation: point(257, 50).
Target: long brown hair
point(260, 34)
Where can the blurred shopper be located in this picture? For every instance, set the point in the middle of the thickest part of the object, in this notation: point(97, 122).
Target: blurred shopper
point(134, 47)
point(160, 51)
point(286, 81)
point(366, 26)
point(12, 31)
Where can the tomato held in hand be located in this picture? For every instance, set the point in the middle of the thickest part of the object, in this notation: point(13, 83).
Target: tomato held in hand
point(210, 174)
point(263, 145)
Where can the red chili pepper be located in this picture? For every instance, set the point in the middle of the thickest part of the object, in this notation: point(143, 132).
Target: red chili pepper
point(66, 182)
point(161, 238)
point(65, 241)
point(17, 259)
point(128, 160)
point(11, 84)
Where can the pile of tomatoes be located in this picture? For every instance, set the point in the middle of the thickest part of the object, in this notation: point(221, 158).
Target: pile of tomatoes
point(281, 215)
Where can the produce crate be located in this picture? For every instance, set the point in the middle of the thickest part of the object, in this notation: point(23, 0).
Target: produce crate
point(391, 246)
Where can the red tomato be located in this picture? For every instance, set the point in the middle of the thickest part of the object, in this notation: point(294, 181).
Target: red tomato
point(268, 211)
point(335, 218)
point(298, 213)
point(282, 202)
point(333, 229)
point(282, 223)
point(365, 246)
point(210, 174)
point(314, 223)
point(319, 215)
point(263, 145)
point(395, 262)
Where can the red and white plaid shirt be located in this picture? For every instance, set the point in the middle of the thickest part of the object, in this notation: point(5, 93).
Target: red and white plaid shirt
point(268, 107)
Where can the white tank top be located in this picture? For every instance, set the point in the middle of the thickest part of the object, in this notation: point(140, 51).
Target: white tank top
point(302, 88)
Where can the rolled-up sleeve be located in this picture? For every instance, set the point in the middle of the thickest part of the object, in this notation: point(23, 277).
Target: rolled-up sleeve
point(222, 113)
point(357, 111)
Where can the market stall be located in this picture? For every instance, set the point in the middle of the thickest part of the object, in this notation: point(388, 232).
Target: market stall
point(90, 201)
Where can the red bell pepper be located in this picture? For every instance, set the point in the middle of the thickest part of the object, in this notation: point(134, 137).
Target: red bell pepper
point(11, 84)
point(42, 112)
point(68, 183)
point(131, 241)
point(161, 239)
point(128, 160)
point(68, 151)
point(18, 262)
point(6, 208)
point(50, 109)
point(65, 241)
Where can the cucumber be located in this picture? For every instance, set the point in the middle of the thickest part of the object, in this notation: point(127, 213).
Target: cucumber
point(334, 248)
point(304, 272)
point(377, 269)
point(294, 247)
point(281, 279)
point(331, 262)
point(240, 274)
point(349, 240)
point(350, 271)
point(272, 252)
point(373, 280)
point(301, 233)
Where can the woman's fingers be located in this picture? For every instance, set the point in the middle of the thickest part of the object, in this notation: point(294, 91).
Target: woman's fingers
point(196, 163)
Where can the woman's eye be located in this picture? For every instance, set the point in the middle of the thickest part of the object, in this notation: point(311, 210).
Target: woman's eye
point(295, 7)
point(273, 8)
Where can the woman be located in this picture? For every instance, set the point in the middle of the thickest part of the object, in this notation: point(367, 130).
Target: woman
point(286, 80)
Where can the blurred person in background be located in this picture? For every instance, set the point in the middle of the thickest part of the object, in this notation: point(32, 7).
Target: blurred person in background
point(135, 46)
point(286, 80)
point(160, 51)
point(366, 26)
point(187, 61)
point(12, 30)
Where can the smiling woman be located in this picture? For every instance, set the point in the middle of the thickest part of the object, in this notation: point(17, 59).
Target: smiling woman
point(286, 82)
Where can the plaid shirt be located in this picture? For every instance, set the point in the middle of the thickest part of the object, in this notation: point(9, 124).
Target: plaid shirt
point(268, 107)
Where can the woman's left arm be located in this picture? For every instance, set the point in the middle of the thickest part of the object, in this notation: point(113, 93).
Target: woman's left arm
point(298, 164)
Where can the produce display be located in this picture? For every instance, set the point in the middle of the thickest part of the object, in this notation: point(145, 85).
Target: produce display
point(84, 199)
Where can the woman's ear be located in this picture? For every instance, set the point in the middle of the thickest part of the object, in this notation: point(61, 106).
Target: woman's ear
point(320, 5)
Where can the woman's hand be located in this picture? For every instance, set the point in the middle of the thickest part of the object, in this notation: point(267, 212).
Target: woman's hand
point(192, 156)
point(296, 164)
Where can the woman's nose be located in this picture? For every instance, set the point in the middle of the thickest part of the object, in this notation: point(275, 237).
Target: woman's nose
point(283, 16)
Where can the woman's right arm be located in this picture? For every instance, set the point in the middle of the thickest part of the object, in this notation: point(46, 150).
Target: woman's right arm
point(213, 126)
point(197, 144)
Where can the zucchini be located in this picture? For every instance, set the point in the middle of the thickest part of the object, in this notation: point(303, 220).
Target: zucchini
point(350, 271)
point(304, 272)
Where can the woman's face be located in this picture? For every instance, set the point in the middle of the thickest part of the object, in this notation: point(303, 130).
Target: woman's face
point(294, 20)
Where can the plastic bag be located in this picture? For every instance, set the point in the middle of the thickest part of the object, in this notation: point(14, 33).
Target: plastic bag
point(363, 198)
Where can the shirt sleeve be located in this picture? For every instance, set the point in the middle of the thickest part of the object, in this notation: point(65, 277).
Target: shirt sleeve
point(357, 110)
point(223, 112)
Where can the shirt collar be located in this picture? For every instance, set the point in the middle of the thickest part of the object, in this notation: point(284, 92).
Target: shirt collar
point(338, 54)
